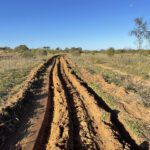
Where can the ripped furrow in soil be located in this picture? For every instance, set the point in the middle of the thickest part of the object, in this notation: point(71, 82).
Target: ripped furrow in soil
point(111, 130)
point(59, 136)
point(103, 133)
point(43, 135)
point(23, 118)
point(84, 132)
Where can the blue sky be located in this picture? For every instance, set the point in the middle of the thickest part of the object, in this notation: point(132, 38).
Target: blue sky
point(91, 24)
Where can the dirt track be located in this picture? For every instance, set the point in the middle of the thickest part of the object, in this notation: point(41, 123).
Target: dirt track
point(76, 118)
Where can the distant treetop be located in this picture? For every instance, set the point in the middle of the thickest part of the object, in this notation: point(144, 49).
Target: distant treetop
point(21, 48)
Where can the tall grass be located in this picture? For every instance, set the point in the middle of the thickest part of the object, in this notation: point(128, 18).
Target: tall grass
point(128, 67)
point(135, 64)
point(14, 71)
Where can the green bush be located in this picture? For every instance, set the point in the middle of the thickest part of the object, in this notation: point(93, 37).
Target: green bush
point(27, 54)
point(21, 48)
point(75, 51)
point(110, 51)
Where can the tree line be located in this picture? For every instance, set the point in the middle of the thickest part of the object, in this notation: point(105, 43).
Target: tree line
point(140, 32)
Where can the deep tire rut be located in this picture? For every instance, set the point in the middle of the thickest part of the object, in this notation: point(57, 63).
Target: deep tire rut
point(82, 123)
point(76, 118)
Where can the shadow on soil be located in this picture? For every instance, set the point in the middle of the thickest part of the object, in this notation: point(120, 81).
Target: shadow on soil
point(20, 112)
point(124, 136)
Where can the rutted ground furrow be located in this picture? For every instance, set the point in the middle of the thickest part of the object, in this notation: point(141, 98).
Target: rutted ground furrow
point(59, 135)
point(77, 118)
point(103, 133)
point(86, 132)
point(111, 139)
point(42, 138)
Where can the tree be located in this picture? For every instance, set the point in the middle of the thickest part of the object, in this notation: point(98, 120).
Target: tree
point(111, 51)
point(21, 48)
point(140, 32)
point(5, 48)
point(58, 49)
point(46, 48)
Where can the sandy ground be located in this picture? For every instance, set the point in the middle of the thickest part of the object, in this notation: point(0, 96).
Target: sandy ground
point(67, 114)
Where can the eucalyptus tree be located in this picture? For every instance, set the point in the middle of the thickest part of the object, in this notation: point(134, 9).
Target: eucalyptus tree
point(140, 32)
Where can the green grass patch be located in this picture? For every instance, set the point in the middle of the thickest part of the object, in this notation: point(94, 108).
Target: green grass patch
point(14, 71)
point(138, 128)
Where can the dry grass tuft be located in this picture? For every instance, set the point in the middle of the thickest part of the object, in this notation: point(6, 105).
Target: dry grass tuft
point(14, 70)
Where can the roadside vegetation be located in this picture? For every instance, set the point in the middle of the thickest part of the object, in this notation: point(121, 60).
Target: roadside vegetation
point(122, 79)
point(15, 66)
